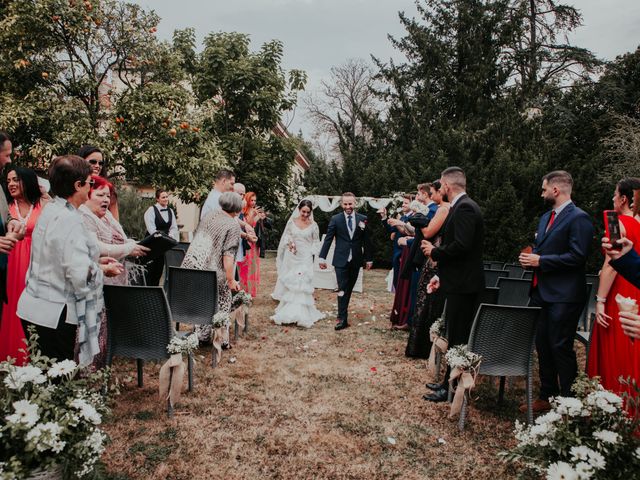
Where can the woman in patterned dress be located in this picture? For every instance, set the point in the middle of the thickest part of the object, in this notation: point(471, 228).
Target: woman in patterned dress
point(214, 247)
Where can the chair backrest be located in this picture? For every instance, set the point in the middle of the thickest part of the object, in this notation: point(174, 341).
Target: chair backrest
point(514, 292)
point(491, 277)
point(174, 257)
point(193, 295)
point(183, 246)
point(594, 280)
point(494, 265)
point(527, 275)
point(589, 307)
point(489, 295)
point(504, 336)
point(515, 270)
point(139, 322)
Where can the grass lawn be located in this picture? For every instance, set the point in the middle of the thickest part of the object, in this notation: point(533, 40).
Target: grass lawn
point(309, 404)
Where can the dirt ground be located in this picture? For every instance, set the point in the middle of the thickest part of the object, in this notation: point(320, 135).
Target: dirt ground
point(309, 404)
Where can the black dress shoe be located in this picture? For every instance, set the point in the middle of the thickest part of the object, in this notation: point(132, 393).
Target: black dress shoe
point(435, 386)
point(341, 326)
point(441, 395)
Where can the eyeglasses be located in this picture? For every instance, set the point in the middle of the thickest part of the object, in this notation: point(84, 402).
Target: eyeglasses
point(90, 182)
point(93, 161)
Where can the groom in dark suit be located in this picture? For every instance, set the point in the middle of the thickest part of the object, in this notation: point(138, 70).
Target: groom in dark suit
point(353, 248)
point(559, 287)
point(460, 268)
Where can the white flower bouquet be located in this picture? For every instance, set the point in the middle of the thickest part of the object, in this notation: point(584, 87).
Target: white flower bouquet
point(49, 418)
point(437, 328)
point(220, 319)
point(241, 298)
point(586, 437)
point(183, 345)
point(461, 358)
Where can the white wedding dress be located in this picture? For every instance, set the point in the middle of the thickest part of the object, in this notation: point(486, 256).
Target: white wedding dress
point(294, 287)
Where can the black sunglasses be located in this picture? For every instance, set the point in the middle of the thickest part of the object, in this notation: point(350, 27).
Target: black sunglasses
point(90, 182)
point(96, 162)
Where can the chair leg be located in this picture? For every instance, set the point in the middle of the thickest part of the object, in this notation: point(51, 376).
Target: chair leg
point(235, 330)
point(529, 399)
point(246, 322)
point(169, 406)
point(463, 411)
point(501, 390)
point(139, 364)
point(214, 358)
point(438, 367)
point(190, 371)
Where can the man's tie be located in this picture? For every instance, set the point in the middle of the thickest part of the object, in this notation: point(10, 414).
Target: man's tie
point(551, 220)
point(349, 224)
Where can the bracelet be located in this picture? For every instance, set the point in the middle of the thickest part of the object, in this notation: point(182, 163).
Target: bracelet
point(601, 299)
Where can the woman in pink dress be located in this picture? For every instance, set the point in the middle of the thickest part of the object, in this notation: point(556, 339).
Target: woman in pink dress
point(25, 206)
point(249, 268)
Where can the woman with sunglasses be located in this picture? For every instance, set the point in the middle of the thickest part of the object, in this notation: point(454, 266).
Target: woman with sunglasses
point(25, 205)
point(63, 292)
point(93, 155)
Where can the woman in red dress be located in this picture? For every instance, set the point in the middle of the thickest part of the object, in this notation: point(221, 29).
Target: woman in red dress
point(612, 354)
point(249, 268)
point(26, 207)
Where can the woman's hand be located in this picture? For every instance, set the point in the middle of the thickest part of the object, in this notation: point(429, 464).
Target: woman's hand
point(233, 284)
point(139, 251)
point(110, 266)
point(601, 317)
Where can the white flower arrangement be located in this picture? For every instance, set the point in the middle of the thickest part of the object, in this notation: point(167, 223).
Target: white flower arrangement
point(241, 298)
point(49, 417)
point(461, 358)
point(183, 345)
point(586, 437)
point(220, 319)
point(437, 328)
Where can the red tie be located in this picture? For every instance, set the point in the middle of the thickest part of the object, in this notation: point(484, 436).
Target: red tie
point(551, 220)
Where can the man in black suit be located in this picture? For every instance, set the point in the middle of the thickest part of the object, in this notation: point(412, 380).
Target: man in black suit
point(559, 286)
point(460, 268)
point(353, 248)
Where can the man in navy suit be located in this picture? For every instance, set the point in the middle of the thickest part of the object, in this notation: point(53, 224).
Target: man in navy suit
point(559, 255)
point(353, 248)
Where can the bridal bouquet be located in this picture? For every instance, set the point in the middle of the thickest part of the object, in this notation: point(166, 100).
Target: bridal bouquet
point(586, 437)
point(49, 418)
point(241, 298)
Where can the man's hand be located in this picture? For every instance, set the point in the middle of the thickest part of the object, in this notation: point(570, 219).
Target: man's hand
point(383, 213)
point(322, 265)
point(613, 253)
point(368, 265)
point(7, 244)
point(529, 260)
point(394, 222)
point(402, 241)
point(630, 323)
point(427, 247)
point(434, 284)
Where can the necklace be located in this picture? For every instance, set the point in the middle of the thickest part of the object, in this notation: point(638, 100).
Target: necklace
point(24, 220)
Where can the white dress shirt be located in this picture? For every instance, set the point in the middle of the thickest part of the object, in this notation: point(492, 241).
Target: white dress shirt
point(150, 220)
point(457, 197)
point(212, 203)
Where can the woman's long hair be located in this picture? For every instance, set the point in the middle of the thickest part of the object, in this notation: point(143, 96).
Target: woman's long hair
point(247, 207)
point(29, 179)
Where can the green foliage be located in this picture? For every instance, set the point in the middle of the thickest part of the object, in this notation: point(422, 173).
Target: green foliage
point(131, 208)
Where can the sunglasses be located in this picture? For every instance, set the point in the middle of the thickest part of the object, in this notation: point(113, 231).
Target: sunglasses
point(96, 162)
point(90, 182)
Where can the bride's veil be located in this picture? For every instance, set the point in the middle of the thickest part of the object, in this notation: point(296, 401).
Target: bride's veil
point(282, 246)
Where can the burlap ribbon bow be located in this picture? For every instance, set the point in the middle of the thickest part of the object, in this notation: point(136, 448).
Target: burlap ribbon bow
point(466, 381)
point(171, 378)
point(238, 315)
point(218, 338)
point(439, 345)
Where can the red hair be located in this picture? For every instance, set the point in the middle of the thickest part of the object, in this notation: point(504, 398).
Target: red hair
point(247, 208)
point(100, 182)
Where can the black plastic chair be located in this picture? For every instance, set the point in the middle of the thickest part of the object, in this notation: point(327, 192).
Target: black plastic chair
point(515, 270)
point(491, 277)
point(594, 280)
point(172, 258)
point(527, 275)
point(183, 246)
point(505, 337)
point(138, 324)
point(514, 292)
point(193, 299)
point(494, 265)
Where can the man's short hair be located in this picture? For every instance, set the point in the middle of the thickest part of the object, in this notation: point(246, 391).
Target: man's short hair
point(159, 192)
point(224, 174)
point(348, 194)
point(455, 176)
point(407, 196)
point(561, 179)
point(64, 172)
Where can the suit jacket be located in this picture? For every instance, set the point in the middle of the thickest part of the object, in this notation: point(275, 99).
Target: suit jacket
point(629, 267)
point(359, 246)
point(459, 256)
point(563, 250)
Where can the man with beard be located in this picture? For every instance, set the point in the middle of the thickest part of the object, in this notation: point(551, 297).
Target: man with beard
point(559, 255)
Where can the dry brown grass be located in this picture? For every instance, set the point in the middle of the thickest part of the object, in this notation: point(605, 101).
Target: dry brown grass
point(284, 411)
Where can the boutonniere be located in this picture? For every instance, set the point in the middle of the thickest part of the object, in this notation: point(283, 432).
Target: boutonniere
point(362, 225)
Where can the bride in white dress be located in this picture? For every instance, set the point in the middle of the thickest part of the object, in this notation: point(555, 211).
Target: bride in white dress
point(294, 288)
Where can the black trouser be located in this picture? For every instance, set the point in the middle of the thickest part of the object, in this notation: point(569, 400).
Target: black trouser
point(554, 344)
point(154, 271)
point(347, 277)
point(459, 314)
point(59, 342)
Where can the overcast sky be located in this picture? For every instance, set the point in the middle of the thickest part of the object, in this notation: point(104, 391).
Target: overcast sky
point(319, 34)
